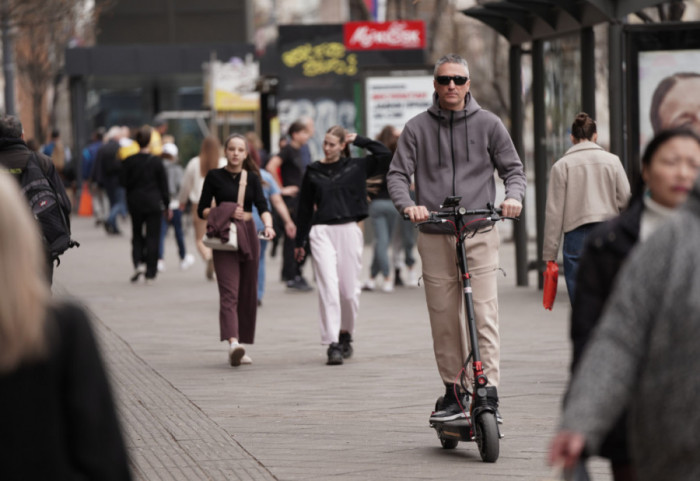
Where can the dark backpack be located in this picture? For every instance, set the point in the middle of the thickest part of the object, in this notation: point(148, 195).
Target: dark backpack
point(48, 209)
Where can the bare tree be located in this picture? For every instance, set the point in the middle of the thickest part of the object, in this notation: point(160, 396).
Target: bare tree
point(43, 31)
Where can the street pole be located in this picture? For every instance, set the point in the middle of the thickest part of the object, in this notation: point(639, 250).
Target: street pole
point(8, 66)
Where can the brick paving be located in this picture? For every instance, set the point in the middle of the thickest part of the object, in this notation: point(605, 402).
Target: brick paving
point(188, 415)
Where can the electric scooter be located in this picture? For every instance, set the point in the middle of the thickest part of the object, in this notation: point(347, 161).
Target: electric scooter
point(481, 423)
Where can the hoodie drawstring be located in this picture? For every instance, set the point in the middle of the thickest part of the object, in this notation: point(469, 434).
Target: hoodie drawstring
point(438, 138)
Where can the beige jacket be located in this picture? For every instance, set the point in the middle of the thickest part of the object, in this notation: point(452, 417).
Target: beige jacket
point(586, 185)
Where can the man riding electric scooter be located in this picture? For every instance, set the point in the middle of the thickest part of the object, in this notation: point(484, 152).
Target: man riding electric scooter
point(453, 149)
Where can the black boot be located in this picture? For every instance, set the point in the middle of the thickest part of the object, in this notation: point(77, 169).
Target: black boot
point(492, 400)
point(450, 409)
point(345, 348)
point(335, 355)
point(397, 278)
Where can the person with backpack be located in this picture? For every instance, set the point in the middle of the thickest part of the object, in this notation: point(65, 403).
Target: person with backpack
point(42, 186)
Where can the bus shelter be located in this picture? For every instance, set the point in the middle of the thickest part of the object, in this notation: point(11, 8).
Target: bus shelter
point(540, 24)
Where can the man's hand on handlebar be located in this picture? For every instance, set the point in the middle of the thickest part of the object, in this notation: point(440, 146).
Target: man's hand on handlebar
point(511, 208)
point(416, 213)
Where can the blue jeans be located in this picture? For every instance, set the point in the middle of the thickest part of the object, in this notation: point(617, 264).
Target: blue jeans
point(118, 207)
point(384, 217)
point(572, 250)
point(261, 269)
point(176, 222)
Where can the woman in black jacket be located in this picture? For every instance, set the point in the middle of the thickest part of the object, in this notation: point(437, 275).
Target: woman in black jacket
point(333, 199)
point(669, 167)
point(143, 176)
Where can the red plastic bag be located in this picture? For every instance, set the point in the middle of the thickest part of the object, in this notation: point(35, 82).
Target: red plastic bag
point(551, 276)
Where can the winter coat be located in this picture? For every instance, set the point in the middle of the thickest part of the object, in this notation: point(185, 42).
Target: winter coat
point(643, 354)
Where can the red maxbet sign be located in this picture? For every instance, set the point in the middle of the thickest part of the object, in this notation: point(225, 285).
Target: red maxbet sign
point(384, 35)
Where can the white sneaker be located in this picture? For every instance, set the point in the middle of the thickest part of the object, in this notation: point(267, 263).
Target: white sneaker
point(161, 265)
point(413, 277)
point(187, 262)
point(235, 354)
point(388, 286)
point(246, 360)
point(369, 285)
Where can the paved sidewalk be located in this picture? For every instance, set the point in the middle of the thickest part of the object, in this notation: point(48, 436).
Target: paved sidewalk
point(188, 415)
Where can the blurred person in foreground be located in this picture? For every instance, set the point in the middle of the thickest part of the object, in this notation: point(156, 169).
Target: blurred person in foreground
point(669, 167)
point(642, 355)
point(57, 414)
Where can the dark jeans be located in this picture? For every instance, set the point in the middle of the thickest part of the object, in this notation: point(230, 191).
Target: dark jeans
point(176, 222)
point(572, 250)
point(117, 202)
point(144, 245)
point(290, 267)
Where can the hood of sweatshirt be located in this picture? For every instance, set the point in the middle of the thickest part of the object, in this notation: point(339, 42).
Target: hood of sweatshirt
point(454, 153)
point(471, 106)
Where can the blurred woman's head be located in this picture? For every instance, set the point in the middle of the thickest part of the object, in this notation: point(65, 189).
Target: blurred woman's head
point(25, 290)
point(583, 128)
point(209, 154)
point(143, 136)
point(670, 165)
point(389, 136)
point(334, 144)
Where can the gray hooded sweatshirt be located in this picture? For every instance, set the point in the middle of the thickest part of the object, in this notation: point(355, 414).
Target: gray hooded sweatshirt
point(454, 153)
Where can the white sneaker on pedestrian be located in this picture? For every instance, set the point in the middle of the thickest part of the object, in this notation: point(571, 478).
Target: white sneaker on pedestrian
point(187, 262)
point(161, 265)
point(413, 277)
point(246, 360)
point(388, 286)
point(369, 285)
point(235, 354)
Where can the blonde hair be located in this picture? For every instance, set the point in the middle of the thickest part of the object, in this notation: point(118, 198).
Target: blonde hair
point(23, 284)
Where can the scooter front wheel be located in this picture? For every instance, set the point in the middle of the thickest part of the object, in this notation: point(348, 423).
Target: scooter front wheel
point(486, 434)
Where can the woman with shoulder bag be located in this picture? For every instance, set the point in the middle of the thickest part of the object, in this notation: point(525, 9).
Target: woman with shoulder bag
point(236, 270)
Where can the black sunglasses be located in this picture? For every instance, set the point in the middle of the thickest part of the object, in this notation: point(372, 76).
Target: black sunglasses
point(446, 79)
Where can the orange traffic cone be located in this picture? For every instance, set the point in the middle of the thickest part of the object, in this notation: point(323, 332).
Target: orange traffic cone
point(85, 206)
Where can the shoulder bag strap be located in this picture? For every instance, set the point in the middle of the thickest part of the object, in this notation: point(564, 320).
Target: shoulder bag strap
point(243, 181)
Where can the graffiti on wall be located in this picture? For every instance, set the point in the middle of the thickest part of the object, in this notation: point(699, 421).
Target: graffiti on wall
point(321, 59)
point(325, 114)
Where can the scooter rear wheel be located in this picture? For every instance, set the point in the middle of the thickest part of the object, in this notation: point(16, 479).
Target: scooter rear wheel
point(448, 443)
point(487, 437)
